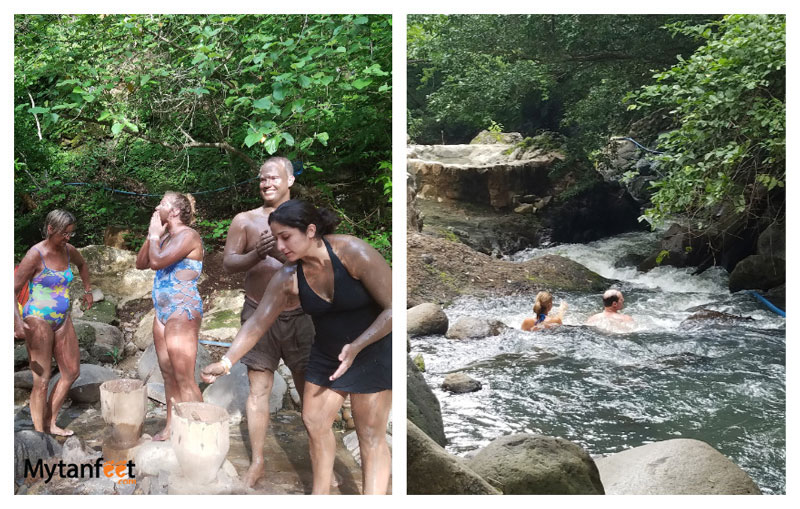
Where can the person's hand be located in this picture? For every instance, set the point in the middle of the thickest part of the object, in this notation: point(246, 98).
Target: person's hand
point(212, 371)
point(347, 357)
point(88, 300)
point(265, 244)
point(20, 328)
point(156, 228)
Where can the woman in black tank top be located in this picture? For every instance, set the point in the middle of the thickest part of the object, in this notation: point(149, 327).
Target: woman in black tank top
point(346, 287)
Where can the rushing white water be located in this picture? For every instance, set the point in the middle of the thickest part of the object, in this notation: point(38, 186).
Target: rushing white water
point(723, 383)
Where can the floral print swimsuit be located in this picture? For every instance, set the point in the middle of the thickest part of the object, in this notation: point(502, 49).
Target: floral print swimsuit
point(49, 295)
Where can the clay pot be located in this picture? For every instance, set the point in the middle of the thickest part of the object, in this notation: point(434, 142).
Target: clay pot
point(123, 405)
point(200, 438)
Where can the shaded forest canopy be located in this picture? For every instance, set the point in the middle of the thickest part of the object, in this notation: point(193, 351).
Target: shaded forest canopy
point(710, 91)
point(150, 103)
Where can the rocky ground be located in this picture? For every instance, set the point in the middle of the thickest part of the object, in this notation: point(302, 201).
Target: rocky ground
point(440, 270)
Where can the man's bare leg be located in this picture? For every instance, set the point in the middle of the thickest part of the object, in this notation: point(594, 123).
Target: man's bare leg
point(257, 421)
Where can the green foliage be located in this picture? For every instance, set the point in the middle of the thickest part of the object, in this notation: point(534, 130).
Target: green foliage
point(213, 231)
point(150, 103)
point(728, 99)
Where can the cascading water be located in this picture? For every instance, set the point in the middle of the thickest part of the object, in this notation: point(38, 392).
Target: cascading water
point(719, 382)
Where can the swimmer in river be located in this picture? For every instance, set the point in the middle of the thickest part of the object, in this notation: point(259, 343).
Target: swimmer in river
point(541, 308)
point(611, 317)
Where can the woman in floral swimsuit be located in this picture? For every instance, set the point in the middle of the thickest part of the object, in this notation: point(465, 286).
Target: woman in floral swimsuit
point(45, 322)
point(175, 251)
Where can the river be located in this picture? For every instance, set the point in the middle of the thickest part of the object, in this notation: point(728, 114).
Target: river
point(722, 383)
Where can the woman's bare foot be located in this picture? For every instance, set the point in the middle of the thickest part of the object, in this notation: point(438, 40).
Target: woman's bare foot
point(55, 430)
point(161, 435)
point(254, 473)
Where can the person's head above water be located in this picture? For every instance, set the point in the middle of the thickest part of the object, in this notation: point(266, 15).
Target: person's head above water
point(543, 303)
point(296, 224)
point(613, 300)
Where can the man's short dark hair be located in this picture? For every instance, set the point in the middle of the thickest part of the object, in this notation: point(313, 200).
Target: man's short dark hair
point(609, 300)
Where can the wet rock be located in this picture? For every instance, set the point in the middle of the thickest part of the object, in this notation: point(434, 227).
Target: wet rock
point(629, 260)
point(426, 319)
point(150, 458)
point(709, 315)
point(86, 389)
point(422, 407)
point(148, 364)
point(143, 336)
point(467, 327)
point(230, 392)
point(525, 464)
point(73, 452)
point(433, 471)
point(673, 467)
point(758, 272)
point(777, 296)
point(460, 383)
point(772, 241)
point(33, 446)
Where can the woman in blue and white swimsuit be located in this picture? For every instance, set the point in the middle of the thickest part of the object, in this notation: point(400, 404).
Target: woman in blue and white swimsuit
point(45, 322)
point(175, 251)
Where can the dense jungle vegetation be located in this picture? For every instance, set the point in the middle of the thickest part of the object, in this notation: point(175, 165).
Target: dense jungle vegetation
point(193, 103)
point(711, 89)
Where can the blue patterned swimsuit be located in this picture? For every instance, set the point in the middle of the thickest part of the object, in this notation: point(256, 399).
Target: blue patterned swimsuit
point(49, 295)
point(171, 294)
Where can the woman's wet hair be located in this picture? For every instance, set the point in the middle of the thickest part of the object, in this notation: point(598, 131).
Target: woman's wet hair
point(185, 205)
point(543, 303)
point(59, 219)
point(610, 297)
point(299, 214)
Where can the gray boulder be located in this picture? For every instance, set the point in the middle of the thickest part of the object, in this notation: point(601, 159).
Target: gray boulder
point(468, 327)
point(23, 379)
point(772, 241)
point(426, 319)
point(230, 392)
point(143, 335)
point(422, 407)
point(758, 272)
point(460, 383)
point(492, 138)
point(148, 364)
point(673, 467)
point(150, 458)
point(114, 272)
point(525, 464)
point(432, 471)
point(32, 446)
point(86, 389)
point(108, 344)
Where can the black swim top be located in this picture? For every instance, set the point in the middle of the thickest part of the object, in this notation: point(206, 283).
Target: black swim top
point(350, 313)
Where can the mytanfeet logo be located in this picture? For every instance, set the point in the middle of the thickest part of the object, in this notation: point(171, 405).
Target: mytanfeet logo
point(119, 471)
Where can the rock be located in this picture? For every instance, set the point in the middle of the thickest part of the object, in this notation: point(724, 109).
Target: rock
point(525, 208)
point(155, 391)
point(629, 260)
point(85, 332)
point(23, 379)
point(426, 319)
point(467, 327)
point(86, 389)
point(32, 446)
point(673, 467)
point(231, 392)
point(414, 219)
point(432, 471)
point(428, 259)
point(772, 241)
point(494, 138)
point(104, 312)
point(708, 315)
point(114, 272)
point(777, 296)
point(525, 464)
point(148, 364)
point(108, 344)
point(460, 383)
point(150, 458)
point(73, 452)
point(143, 336)
point(758, 272)
point(422, 407)
point(542, 203)
point(20, 356)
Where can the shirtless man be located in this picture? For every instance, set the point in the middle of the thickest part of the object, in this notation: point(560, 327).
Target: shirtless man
point(251, 248)
point(611, 316)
